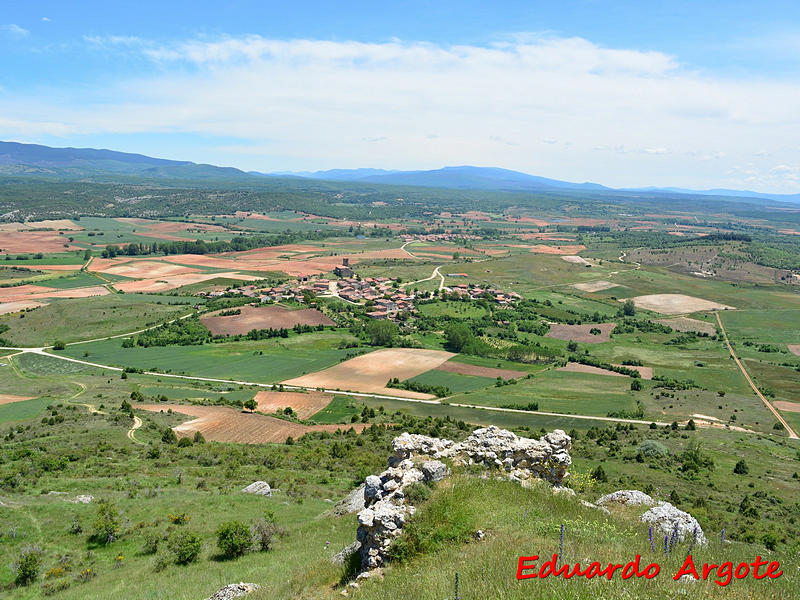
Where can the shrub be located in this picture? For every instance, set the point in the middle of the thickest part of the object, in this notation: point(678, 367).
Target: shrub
point(599, 474)
point(653, 449)
point(107, 523)
point(169, 437)
point(184, 442)
point(417, 493)
point(198, 438)
point(185, 545)
point(26, 569)
point(741, 468)
point(264, 531)
point(636, 384)
point(179, 519)
point(59, 345)
point(233, 539)
point(151, 541)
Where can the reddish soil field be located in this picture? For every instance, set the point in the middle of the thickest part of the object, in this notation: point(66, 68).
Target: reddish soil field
point(141, 269)
point(794, 349)
point(532, 220)
point(10, 398)
point(21, 292)
point(645, 372)
point(263, 317)
point(476, 215)
point(579, 368)
point(546, 236)
point(787, 406)
point(12, 307)
point(542, 249)
point(176, 281)
point(370, 372)
point(465, 369)
point(304, 404)
point(58, 224)
point(34, 241)
point(580, 333)
point(224, 424)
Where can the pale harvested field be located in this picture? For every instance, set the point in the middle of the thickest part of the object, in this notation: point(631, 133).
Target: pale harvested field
point(544, 249)
point(370, 372)
point(34, 241)
point(176, 281)
point(11, 398)
point(580, 333)
point(576, 260)
point(532, 220)
point(787, 406)
point(12, 307)
point(465, 369)
point(675, 304)
point(645, 372)
point(687, 324)
point(304, 404)
point(148, 269)
point(546, 236)
point(794, 349)
point(59, 224)
point(262, 317)
point(84, 292)
point(200, 260)
point(224, 424)
point(21, 292)
point(594, 286)
point(573, 367)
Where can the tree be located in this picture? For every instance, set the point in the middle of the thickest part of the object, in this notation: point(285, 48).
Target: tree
point(107, 522)
point(636, 384)
point(629, 308)
point(741, 468)
point(233, 539)
point(690, 426)
point(572, 346)
point(251, 404)
point(28, 564)
point(458, 336)
point(169, 437)
point(198, 438)
point(381, 332)
point(59, 345)
point(599, 474)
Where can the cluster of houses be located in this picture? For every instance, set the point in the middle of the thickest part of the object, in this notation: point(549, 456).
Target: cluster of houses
point(475, 291)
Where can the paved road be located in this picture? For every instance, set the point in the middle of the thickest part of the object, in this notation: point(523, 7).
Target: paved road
point(767, 403)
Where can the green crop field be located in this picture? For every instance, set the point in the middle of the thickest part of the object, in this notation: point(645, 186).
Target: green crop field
point(339, 410)
point(455, 310)
point(456, 382)
point(265, 361)
point(72, 320)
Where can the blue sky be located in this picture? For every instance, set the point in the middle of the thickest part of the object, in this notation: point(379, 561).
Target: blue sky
point(692, 94)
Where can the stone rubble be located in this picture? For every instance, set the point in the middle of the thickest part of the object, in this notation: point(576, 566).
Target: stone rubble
point(234, 590)
point(516, 458)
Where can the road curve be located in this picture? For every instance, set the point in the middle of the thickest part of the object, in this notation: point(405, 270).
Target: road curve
point(767, 403)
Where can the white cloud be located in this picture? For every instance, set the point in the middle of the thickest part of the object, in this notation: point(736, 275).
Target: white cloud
point(14, 30)
point(45, 19)
point(632, 117)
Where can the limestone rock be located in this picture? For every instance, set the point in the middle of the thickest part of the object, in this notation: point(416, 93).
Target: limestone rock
point(234, 590)
point(627, 498)
point(434, 470)
point(666, 519)
point(83, 499)
point(260, 488)
point(345, 553)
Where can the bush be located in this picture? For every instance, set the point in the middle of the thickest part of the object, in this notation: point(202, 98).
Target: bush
point(151, 541)
point(107, 522)
point(233, 539)
point(26, 569)
point(198, 438)
point(417, 493)
point(169, 437)
point(184, 442)
point(264, 531)
point(636, 384)
point(599, 474)
point(59, 345)
point(741, 468)
point(653, 449)
point(185, 545)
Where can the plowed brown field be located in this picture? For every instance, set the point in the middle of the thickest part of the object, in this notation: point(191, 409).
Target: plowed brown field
point(263, 317)
point(580, 333)
point(465, 369)
point(304, 404)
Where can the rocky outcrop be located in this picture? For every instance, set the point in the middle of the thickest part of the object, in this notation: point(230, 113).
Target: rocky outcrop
point(669, 520)
point(260, 488)
point(517, 458)
point(626, 498)
point(234, 590)
point(345, 553)
point(353, 503)
point(521, 458)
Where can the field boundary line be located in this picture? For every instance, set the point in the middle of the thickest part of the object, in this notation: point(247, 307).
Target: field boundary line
point(767, 403)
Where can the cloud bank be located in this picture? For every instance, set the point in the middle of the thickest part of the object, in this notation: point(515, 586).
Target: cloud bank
point(555, 106)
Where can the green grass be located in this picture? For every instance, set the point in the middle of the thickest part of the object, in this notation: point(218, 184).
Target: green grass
point(38, 364)
point(55, 258)
point(212, 391)
point(265, 361)
point(561, 392)
point(72, 320)
point(23, 410)
point(339, 410)
point(73, 280)
point(456, 310)
point(456, 382)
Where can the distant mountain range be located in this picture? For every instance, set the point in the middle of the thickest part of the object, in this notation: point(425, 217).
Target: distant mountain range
point(87, 163)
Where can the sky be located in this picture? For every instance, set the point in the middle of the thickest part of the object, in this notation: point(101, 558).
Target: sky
point(694, 94)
